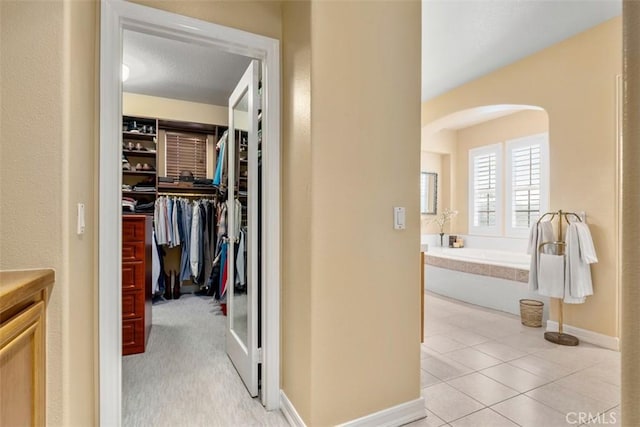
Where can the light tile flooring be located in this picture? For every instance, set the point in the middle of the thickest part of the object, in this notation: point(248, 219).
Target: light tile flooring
point(484, 368)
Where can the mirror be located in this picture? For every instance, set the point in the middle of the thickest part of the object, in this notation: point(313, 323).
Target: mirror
point(428, 193)
point(239, 313)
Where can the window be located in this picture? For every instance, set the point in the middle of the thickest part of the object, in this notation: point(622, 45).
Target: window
point(526, 186)
point(485, 189)
point(186, 152)
point(527, 182)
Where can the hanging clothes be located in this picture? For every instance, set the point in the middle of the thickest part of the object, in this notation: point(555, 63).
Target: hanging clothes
point(199, 277)
point(185, 259)
point(155, 266)
point(194, 249)
point(241, 274)
point(209, 242)
point(221, 163)
point(194, 225)
point(223, 269)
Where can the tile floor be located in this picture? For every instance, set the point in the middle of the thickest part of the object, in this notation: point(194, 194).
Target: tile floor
point(481, 367)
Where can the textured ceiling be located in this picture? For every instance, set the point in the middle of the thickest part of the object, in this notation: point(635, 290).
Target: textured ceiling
point(465, 39)
point(178, 70)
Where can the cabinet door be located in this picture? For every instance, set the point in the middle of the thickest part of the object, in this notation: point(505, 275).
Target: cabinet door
point(22, 369)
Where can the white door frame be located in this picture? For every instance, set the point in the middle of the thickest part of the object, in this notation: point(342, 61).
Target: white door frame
point(117, 15)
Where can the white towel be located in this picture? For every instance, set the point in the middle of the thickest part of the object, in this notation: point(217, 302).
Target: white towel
point(551, 275)
point(539, 233)
point(580, 254)
point(587, 249)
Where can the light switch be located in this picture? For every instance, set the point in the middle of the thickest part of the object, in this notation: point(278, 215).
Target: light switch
point(80, 218)
point(399, 218)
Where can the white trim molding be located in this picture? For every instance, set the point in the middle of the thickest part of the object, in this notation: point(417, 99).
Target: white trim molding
point(117, 15)
point(595, 338)
point(398, 415)
point(289, 411)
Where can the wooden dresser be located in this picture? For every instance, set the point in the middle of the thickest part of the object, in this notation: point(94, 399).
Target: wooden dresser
point(23, 301)
point(136, 282)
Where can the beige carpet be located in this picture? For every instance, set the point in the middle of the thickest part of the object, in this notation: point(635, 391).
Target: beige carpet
point(185, 378)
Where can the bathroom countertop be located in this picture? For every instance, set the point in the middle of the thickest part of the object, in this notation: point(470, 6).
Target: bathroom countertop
point(18, 285)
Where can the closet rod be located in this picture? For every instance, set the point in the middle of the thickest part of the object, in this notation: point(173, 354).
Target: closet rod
point(178, 194)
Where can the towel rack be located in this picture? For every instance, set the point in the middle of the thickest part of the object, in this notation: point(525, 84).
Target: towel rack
point(559, 337)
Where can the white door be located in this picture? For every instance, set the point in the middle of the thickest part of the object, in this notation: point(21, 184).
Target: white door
point(242, 276)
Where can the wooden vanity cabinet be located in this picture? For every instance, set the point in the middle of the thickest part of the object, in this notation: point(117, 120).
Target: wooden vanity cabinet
point(23, 301)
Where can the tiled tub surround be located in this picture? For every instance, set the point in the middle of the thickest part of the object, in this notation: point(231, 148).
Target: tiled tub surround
point(504, 265)
point(488, 278)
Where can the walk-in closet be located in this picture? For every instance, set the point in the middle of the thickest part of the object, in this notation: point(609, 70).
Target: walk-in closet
point(191, 234)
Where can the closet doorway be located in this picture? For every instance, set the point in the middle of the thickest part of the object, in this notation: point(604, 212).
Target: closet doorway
point(236, 193)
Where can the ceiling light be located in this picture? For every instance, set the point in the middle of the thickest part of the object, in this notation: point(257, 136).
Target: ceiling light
point(125, 72)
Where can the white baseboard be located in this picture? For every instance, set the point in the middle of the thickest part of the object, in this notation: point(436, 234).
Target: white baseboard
point(392, 417)
point(289, 411)
point(606, 341)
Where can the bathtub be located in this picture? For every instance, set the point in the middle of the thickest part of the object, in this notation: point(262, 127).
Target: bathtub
point(485, 277)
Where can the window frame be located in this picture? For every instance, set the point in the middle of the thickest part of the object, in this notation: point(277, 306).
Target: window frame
point(484, 150)
point(510, 146)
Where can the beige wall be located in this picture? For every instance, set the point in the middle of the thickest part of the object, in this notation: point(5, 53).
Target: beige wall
point(135, 104)
point(630, 225)
point(296, 206)
point(32, 158)
point(574, 81)
point(365, 346)
point(330, 321)
point(49, 114)
point(498, 130)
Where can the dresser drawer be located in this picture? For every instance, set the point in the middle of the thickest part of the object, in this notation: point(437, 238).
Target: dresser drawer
point(132, 336)
point(133, 275)
point(132, 304)
point(133, 230)
point(133, 251)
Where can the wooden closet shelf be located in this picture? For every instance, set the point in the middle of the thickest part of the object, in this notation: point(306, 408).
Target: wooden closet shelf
point(139, 193)
point(138, 153)
point(143, 172)
point(138, 135)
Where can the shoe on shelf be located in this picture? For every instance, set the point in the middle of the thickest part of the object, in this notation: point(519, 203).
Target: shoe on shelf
point(138, 167)
point(147, 167)
point(139, 147)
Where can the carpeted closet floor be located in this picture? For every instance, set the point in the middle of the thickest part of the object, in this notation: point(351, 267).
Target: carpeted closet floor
point(185, 377)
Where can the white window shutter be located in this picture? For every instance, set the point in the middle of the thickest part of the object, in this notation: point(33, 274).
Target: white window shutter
point(527, 182)
point(485, 190)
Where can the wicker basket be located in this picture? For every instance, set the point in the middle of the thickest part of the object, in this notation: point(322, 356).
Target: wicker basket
point(531, 312)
